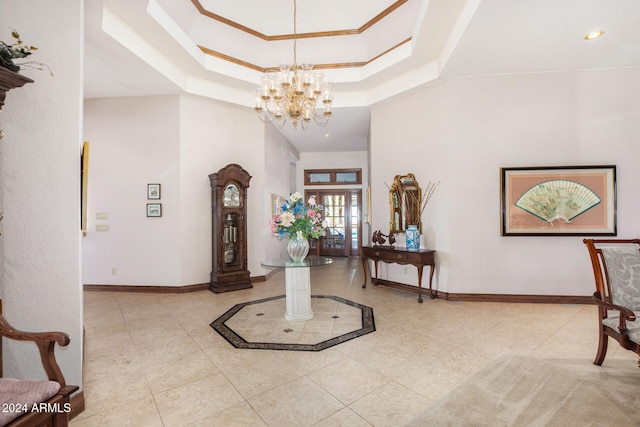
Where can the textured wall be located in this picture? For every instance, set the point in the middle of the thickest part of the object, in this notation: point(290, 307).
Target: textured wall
point(40, 186)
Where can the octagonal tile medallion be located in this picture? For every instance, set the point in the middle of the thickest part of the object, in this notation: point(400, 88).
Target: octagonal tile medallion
point(261, 324)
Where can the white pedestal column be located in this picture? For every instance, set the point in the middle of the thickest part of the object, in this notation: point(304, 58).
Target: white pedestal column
point(298, 293)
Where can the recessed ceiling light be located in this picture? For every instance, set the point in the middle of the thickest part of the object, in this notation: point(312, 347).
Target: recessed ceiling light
point(326, 135)
point(593, 35)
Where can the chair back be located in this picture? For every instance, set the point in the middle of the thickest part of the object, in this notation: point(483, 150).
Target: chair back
point(616, 266)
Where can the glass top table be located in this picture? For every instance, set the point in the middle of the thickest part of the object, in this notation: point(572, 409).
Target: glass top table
point(297, 284)
point(310, 261)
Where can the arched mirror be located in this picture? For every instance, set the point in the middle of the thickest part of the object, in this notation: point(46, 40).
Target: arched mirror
point(405, 198)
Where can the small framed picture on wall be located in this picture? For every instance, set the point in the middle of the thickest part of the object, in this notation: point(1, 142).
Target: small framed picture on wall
point(153, 191)
point(154, 209)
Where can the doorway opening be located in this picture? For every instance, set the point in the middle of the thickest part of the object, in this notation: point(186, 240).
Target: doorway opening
point(343, 215)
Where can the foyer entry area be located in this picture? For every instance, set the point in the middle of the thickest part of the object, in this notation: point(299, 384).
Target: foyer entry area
point(343, 215)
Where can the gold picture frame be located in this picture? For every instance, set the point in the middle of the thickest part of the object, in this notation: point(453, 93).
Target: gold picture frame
point(84, 186)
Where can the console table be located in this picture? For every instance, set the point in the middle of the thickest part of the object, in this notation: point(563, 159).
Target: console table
point(298, 284)
point(418, 258)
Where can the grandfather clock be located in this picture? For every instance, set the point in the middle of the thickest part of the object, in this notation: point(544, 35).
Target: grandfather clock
point(229, 231)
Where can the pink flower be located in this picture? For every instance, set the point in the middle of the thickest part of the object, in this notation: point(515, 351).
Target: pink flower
point(312, 201)
point(311, 213)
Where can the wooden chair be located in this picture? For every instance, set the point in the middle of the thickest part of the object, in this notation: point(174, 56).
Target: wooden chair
point(616, 268)
point(36, 403)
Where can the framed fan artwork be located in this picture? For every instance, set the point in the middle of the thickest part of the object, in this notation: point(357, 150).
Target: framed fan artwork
point(558, 201)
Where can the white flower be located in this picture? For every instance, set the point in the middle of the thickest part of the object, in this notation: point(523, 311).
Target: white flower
point(312, 201)
point(299, 236)
point(295, 197)
point(287, 219)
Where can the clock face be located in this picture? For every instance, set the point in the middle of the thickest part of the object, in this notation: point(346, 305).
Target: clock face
point(231, 195)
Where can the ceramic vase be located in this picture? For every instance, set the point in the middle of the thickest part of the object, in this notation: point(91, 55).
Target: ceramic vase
point(298, 249)
point(413, 238)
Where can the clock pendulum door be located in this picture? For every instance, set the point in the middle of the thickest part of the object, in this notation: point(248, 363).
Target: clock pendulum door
point(230, 236)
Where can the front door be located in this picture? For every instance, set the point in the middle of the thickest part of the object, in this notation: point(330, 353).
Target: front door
point(335, 215)
point(342, 216)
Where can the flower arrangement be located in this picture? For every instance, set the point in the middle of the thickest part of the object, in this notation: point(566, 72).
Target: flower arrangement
point(297, 221)
point(18, 50)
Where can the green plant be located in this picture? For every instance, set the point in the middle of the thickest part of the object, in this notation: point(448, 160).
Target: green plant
point(18, 50)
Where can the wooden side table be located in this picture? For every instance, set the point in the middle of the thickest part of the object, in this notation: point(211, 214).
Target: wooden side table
point(402, 256)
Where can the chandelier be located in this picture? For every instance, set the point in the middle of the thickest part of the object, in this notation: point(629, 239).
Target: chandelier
point(295, 93)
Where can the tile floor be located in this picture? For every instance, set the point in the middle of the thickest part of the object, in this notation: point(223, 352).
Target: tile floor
point(259, 324)
point(153, 359)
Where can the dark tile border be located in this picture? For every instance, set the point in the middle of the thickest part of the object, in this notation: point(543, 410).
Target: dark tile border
point(368, 326)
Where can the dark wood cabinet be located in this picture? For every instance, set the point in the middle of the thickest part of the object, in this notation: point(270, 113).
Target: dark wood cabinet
point(229, 229)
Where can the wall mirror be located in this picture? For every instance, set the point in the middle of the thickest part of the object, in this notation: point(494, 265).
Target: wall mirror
point(405, 198)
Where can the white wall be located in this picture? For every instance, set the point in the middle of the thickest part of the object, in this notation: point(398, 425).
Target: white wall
point(133, 142)
point(214, 134)
point(40, 276)
point(463, 130)
point(176, 141)
point(279, 154)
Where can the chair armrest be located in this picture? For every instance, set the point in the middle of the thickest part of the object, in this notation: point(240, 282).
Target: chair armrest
point(625, 313)
point(46, 344)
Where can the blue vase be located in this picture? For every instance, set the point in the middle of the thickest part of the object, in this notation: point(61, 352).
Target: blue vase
point(413, 238)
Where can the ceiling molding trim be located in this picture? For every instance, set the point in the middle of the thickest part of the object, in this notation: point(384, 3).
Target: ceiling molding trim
point(226, 21)
point(349, 32)
point(379, 17)
point(407, 40)
point(231, 59)
point(255, 67)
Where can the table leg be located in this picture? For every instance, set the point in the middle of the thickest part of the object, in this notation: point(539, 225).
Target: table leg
point(298, 296)
point(431, 295)
point(375, 265)
point(419, 283)
point(364, 268)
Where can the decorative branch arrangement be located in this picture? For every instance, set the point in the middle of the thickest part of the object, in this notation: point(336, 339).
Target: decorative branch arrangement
point(407, 201)
point(414, 205)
